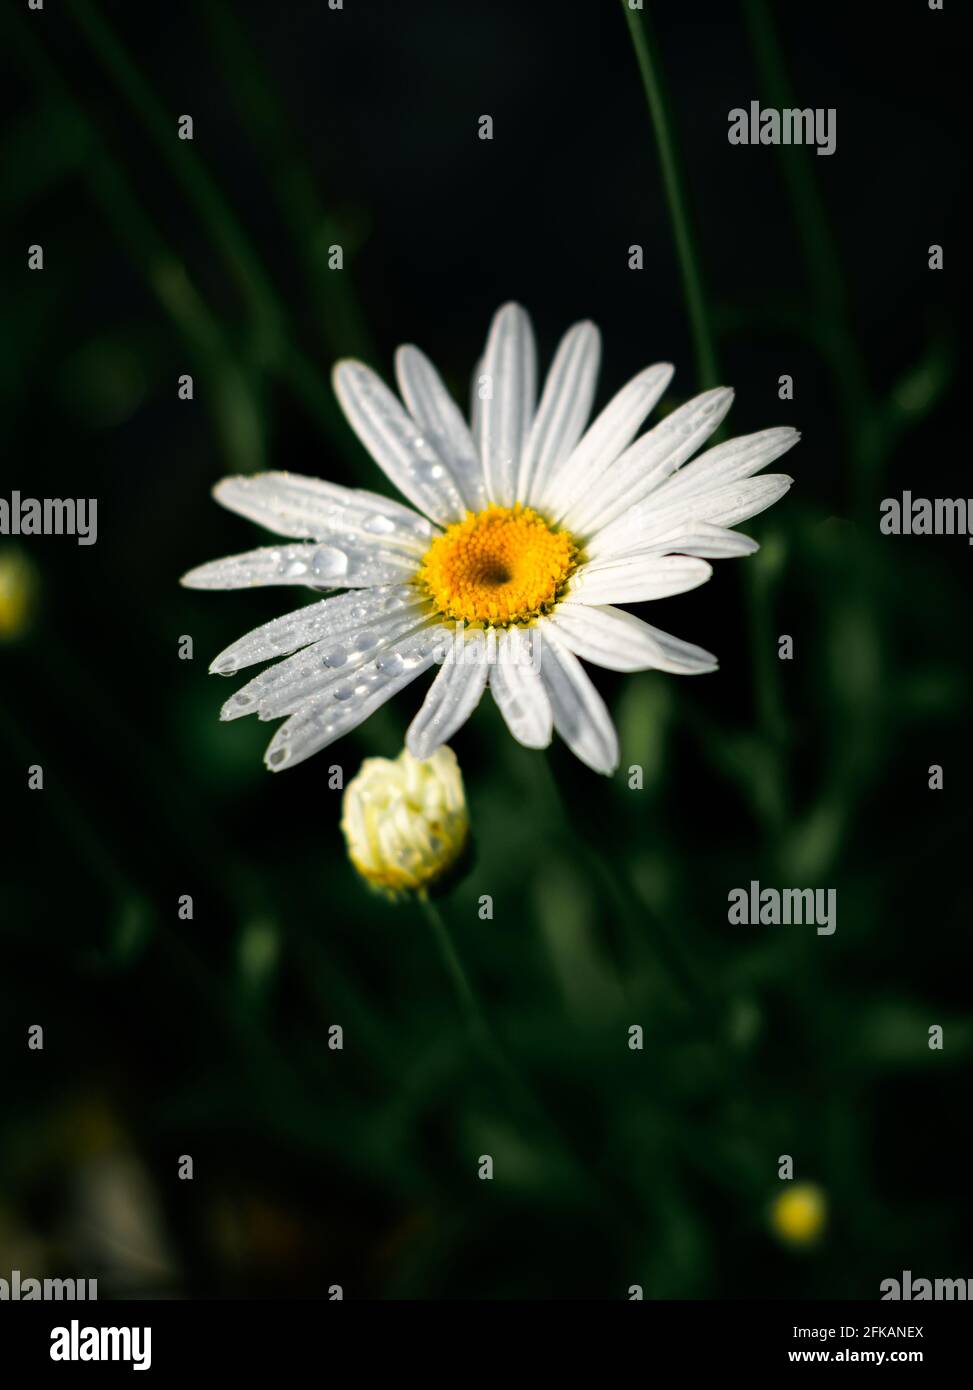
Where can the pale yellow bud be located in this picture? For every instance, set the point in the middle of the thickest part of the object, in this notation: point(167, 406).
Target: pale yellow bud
point(18, 586)
point(799, 1214)
point(405, 821)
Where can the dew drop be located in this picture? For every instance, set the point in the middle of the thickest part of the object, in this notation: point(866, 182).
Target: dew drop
point(390, 665)
point(329, 562)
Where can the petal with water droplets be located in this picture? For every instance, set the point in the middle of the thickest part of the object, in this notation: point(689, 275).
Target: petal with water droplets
point(507, 411)
point(292, 505)
point(620, 641)
point(348, 566)
point(441, 420)
point(330, 617)
point(518, 690)
point(580, 716)
point(563, 411)
point(396, 442)
point(451, 699)
point(343, 707)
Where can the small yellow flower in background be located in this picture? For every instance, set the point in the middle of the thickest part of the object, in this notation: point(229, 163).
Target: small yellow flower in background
point(18, 587)
point(799, 1215)
point(405, 821)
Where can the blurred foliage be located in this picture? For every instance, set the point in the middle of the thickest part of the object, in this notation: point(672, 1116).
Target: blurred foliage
point(209, 1036)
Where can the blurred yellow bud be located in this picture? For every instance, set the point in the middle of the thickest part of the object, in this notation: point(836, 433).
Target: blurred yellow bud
point(405, 821)
point(798, 1216)
point(18, 585)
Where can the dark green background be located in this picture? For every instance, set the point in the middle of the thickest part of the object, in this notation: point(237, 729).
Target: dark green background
point(209, 1037)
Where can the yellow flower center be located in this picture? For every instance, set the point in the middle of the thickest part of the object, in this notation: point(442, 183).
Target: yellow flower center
point(501, 566)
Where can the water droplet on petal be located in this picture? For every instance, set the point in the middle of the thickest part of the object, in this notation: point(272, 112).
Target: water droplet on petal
point(329, 562)
point(391, 664)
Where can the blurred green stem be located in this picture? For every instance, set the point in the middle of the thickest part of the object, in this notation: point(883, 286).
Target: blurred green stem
point(831, 311)
point(468, 1001)
point(271, 345)
point(766, 676)
point(187, 167)
point(338, 313)
point(643, 41)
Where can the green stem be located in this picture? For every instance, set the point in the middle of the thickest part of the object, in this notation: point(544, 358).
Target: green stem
point(643, 41)
point(820, 252)
point(189, 170)
point(468, 1001)
point(269, 344)
point(338, 312)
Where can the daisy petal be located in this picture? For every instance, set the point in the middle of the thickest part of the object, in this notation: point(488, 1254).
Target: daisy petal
point(518, 690)
point(292, 505)
point(580, 716)
point(348, 566)
point(396, 442)
point(476, 403)
point(343, 707)
point(636, 579)
point(724, 507)
point(440, 418)
point(506, 413)
point(620, 641)
point(727, 463)
point(646, 536)
point(450, 700)
point(328, 618)
point(611, 432)
point(286, 686)
point(563, 411)
point(649, 461)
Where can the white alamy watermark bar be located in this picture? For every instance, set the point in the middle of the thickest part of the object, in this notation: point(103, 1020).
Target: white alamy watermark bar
point(50, 516)
point(784, 906)
point(21, 1288)
point(926, 516)
point(769, 125)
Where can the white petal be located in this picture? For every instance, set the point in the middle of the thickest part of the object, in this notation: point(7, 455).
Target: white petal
point(505, 416)
point(727, 463)
point(648, 462)
point(348, 566)
point(293, 505)
point(286, 686)
point(580, 716)
point(728, 506)
point(450, 700)
point(518, 689)
point(329, 618)
point(343, 707)
point(636, 579)
point(646, 536)
point(563, 411)
point(610, 433)
point(396, 442)
point(476, 404)
point(441, 420)
point(620, 641)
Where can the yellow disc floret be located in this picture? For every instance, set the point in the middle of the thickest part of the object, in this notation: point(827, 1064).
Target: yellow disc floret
point(500, 566)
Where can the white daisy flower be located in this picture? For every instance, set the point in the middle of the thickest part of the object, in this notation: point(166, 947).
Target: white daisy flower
point(525, 530)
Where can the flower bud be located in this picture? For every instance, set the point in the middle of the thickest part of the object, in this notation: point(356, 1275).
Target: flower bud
point(405, 821)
